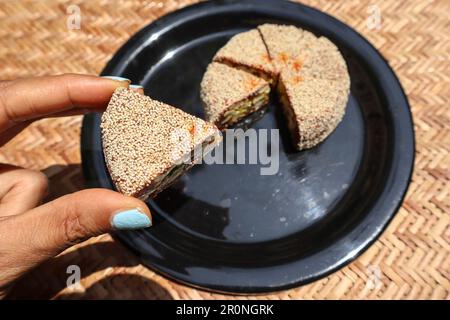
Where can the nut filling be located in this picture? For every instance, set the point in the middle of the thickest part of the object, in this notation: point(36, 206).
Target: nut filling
point(243, 108)
point(173, 173)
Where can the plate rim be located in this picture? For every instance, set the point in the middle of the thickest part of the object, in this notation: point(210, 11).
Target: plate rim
point(119, 61)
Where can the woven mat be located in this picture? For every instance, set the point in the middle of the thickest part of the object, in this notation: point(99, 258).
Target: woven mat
point(412, 258)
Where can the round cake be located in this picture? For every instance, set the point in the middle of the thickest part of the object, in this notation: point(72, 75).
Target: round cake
point(308, 72)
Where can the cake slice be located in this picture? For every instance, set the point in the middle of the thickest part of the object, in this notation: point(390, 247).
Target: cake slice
point(248, 52)
point(313, 107)
point(148, 144)
point(287, 46)
point(230, 94)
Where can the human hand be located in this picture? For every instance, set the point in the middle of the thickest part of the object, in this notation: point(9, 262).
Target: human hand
point(31, 233)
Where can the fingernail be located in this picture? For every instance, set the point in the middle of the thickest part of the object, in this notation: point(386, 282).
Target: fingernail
point(138, 88)
point(117, 78)
point(131, 219)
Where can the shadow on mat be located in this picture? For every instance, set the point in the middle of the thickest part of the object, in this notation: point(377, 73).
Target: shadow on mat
point(64, 179)
point(49, 279)
point(120, 286)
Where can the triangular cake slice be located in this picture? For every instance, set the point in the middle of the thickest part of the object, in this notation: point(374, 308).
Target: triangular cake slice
point(287, 45)
point(230, 94)
point(148, 144)
point(313, 107)
point(248, 52)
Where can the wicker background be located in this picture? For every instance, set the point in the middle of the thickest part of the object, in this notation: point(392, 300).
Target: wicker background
point(412, 257)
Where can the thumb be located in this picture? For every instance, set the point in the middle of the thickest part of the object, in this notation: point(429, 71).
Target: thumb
point(47, 230)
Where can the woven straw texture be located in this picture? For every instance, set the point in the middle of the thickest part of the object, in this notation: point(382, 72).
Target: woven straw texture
point(411, 260)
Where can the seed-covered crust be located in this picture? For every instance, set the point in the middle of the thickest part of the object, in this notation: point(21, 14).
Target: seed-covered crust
point(313, 83)
point(222, 86)
point(324, 61)
point(287, 45)
point(247, 50)
point(143, 138)
point(313, 80)
point(299, 51)
point(314, 107)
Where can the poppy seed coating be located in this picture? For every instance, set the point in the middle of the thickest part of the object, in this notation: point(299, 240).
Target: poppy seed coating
point(144, 138)
point(223, 86)
point(247, 50)
point(313, 83)
point(313, 108)
point(287, 45)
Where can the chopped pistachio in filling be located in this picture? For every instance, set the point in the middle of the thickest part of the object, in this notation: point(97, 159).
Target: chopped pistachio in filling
point(164, 180)
point(242, 108)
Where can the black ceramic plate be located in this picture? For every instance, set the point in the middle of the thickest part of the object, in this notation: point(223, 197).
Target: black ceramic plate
point(226, 227)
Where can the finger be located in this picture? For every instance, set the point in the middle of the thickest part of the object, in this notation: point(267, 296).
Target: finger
point(74, 112)
point(78, 111)
point(29, 239)
point(4, 83)
point(20, 189)
point(56, 225)
point(34, 98)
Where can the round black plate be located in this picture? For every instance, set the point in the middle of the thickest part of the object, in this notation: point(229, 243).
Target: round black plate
point(226, 227)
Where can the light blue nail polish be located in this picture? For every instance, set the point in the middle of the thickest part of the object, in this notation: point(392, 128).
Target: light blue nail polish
point(116, 78)
point(130, 219)
point(136, 86)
